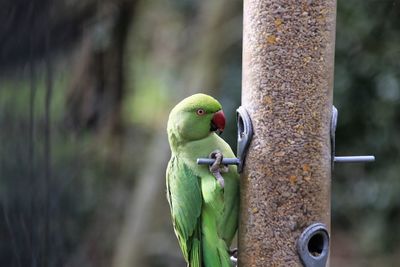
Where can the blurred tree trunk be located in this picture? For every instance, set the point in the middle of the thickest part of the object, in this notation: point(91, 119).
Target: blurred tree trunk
point(215, 33)
point(97, 87)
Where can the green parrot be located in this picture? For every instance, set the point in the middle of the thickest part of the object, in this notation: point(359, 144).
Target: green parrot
point(204, 204)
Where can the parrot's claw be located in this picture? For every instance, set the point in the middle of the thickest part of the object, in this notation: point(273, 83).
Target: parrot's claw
point(233, 253)
point(217, 167)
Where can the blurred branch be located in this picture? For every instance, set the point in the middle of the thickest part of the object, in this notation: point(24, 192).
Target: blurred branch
point(142, 207)
point(47, 153)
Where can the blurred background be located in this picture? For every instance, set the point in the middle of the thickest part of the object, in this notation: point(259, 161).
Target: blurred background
point(85, 91)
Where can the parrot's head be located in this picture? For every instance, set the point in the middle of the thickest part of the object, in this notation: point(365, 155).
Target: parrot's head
point(195, 117)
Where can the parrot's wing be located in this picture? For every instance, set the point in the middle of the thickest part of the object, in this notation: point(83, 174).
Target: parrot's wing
point(185, 200)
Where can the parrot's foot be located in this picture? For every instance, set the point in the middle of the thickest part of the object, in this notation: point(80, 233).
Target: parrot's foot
point(234, 255)
point(217, 167)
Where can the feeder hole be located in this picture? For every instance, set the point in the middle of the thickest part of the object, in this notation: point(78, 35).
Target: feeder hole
point(316, 244)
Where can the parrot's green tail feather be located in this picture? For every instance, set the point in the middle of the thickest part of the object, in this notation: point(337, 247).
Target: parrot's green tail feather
point(225, 259)
point(195, 254)
point(216, 254)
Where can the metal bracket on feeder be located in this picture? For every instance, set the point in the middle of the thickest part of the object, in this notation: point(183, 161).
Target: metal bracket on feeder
point(245, 133)
point(313, 245)
point(344, 159)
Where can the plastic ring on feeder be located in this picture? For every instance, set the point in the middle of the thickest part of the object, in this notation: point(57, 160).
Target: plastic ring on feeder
point(313, 245)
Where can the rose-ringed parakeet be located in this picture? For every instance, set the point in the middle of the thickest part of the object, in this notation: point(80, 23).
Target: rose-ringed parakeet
point(204, 208)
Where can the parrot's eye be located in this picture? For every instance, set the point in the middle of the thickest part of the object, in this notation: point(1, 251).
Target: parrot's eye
point(200, 112)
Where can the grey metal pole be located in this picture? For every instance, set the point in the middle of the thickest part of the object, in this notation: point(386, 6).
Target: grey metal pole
point(354, 159)
point(288, 55)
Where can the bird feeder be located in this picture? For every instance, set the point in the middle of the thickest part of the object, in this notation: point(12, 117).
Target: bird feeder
point(288, 52)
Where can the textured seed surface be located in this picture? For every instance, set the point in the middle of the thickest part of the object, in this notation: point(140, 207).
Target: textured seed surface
point(288, 49)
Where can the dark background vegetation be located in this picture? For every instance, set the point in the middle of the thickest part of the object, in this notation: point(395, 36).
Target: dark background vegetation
point(85, 90)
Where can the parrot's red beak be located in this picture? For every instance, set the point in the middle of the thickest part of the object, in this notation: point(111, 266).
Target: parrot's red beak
point(218, 122)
